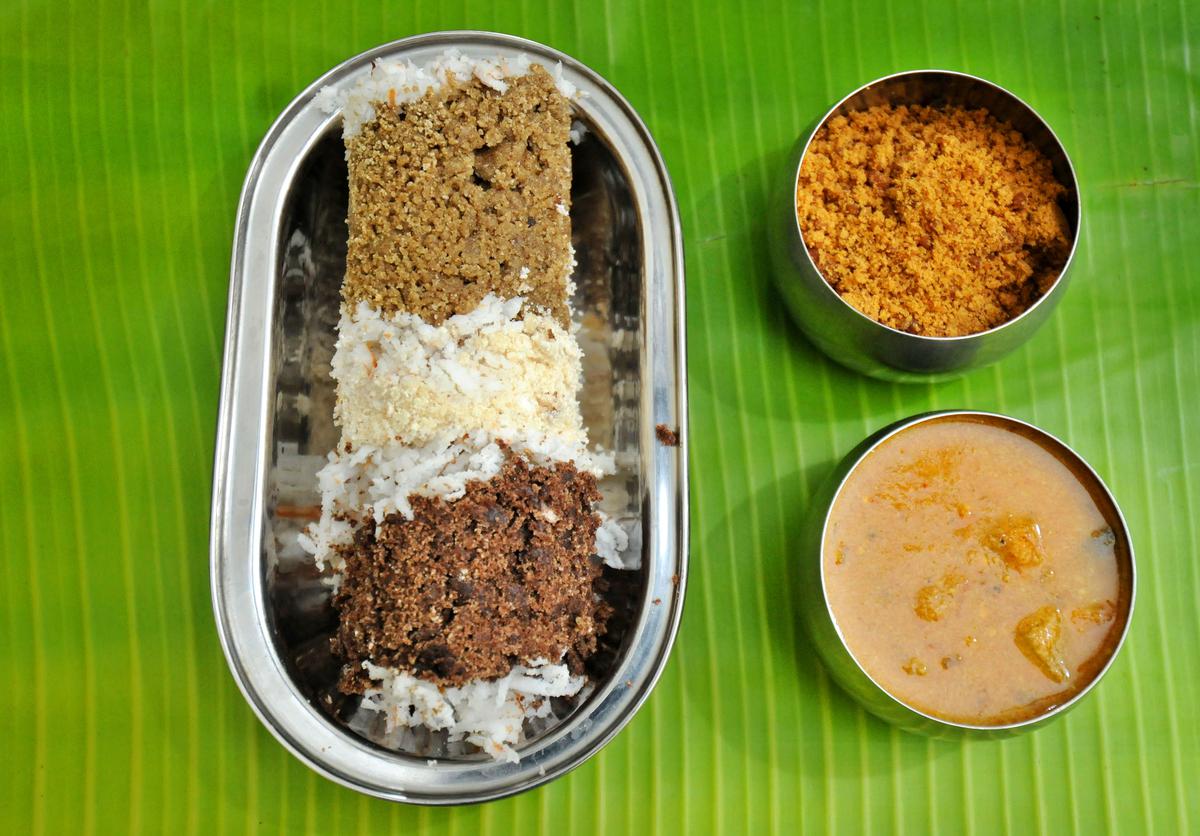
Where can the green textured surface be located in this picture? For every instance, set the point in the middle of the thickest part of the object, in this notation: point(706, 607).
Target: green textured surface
point(125, 131)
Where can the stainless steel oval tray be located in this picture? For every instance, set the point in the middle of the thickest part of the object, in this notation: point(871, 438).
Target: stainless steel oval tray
point(275, 427)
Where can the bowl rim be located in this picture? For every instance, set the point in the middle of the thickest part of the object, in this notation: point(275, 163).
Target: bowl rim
point(974, 79)
point(858, 456)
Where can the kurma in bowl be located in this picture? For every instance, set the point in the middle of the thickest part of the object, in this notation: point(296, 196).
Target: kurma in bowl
point(976, 572)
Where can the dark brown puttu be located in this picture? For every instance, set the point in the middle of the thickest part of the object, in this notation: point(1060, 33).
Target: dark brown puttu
point(467, 589)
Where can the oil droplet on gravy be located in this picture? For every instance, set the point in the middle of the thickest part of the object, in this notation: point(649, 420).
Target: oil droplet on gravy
point(972, 574)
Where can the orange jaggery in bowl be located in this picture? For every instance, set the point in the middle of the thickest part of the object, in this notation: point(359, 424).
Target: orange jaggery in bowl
point(939, 221)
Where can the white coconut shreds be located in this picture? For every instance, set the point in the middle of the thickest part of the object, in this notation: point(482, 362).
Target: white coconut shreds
point(406, 82)
point(402, 379)
point(369, 483)
point(488, 714)
point(612, 544)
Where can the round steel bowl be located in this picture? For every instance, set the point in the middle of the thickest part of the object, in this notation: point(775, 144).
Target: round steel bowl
point(854, 339)
point(822, 623)
point(273, 612)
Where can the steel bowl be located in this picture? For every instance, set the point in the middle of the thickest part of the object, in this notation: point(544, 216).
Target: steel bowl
point(272, 610)
point(822, 623)
point(853, 338)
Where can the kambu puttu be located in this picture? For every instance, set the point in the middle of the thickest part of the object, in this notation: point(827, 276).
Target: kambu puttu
point(459, 522)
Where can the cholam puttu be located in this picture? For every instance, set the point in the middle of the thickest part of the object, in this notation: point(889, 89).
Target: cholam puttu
point(459, 522)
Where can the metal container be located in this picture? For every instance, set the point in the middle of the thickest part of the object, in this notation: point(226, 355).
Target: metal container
point(822, 623)
point(273, 613)
point(853, 338)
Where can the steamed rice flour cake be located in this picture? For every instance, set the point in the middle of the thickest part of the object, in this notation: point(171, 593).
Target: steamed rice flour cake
point(462, 193)
point(459, 522)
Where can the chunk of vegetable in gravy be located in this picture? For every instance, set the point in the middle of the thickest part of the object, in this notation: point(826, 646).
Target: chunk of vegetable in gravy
point(1039, 635)
point(971, 573)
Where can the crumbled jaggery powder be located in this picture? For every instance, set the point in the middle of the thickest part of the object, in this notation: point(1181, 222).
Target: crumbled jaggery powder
point(667, 437)
point(936, 221)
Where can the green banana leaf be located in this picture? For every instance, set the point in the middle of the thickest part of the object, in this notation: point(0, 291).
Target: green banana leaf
point(125, 132)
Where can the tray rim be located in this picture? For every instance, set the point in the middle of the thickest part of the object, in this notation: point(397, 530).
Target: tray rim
point(238, 508)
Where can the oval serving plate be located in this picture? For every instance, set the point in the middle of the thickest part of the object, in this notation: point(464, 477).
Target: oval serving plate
point(272, 611)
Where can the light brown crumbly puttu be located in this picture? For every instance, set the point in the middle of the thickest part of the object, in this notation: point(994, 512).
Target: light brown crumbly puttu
point(463, 192)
